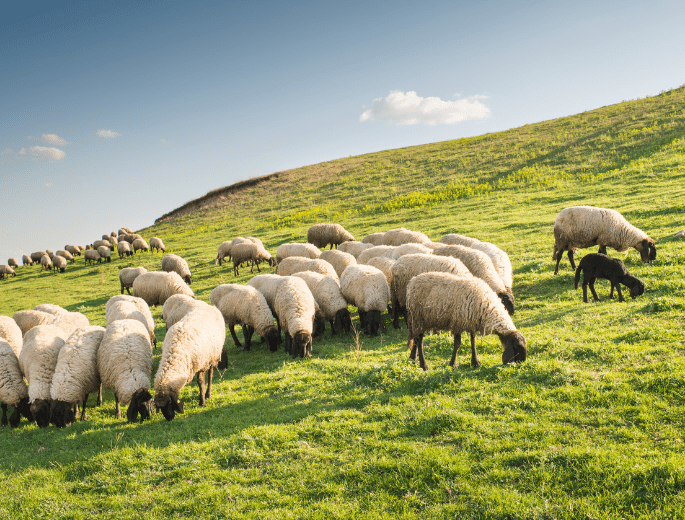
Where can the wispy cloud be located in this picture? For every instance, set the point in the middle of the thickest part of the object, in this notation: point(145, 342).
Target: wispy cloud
point(42, 152)
point(54, 139)
point(400, 108)
point(108, 134)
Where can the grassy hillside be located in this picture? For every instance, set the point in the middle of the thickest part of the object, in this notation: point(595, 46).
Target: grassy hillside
point(590, 426)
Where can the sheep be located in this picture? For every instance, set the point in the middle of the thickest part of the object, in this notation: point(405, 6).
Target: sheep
point(142, 307)
point(60, 263)
point(35, 257)
point(155, 287)
point(76, 375)
point(454, 239)
point(106, 243)
point(132, 237)
point(224, 250)
point(500, 260)
point(296, 264)
point(480, 265)
point(246, 306)
point(255, 241)
point(329, 298)
point(156, 243)
point(49, 253)
point(443, 301)
point(81, 248)
point(13, 390)
point(37, 362)
point(112, 239)
point(267, 284)
point(176, 307)
point(374, 251)
point(132, 309)
point(105, 253)
point(320, 235)
point(26, 320)
point(124, 362)
point(366, 288)
point(587, 226)
point(128, 275)
point(409, 266)
point(124, 249)
point(179, 265)
point(51, 308)
point(598, 265)
point(410, 249)
point(73, 250)
point(88, 247)
point(375, 239)
point(296, 249)
point(92, 256)
point(339, 260)
point(139, 244)
point(251, 252)
point(384, 265)
point(6, 270)
point(12, 262)
point(124, 231)
point(295, 307)
point(46, 262)
point(26, 260)
point(397, 237)
point(65, 254)
point(11, 333)
point(193, 345)
point(70, 321)
point(354, 248)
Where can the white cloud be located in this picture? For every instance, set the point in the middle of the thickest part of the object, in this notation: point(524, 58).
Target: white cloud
point(54, 139)
point(108, 134)
point(400, 108)
point(41, 152)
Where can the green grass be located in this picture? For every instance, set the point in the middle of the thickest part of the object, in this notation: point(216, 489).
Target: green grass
point(590, 426)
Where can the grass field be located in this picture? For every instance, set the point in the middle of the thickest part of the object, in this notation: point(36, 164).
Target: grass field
point(590, 426)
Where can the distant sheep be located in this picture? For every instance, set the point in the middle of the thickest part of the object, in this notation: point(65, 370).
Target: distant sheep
point(26, 320)
point(124, 249)
point(46, 262)
point(12, 262)
point(598, 265)
point(124, 231)
point(585, 226)
point(6, 270)
point(296, 264)
point(65, 254)
point(157, 244)
point(128, 275)
point(155, 287)
point(60, 263)
point(174, 263)
point(354, 248)
point(26, 260)
point(105, 253)
point(443, 301)
point(92, 256)
point(250, 252)
point(375, 239)
point(339, 260)
point(224, 250)
point(139, 244)
point(105, 243)
point(330, 299)
point(321, 235)
point(397, 237)
point(366, 288)
point(73, 250)
point(35, 257)
point(13, 390)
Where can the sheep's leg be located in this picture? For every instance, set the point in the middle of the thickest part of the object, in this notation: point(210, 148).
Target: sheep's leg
point(570, 259)
point(585, 290)
point(333, 333)
point(210, 373)
point(76, 409)
point(252, 266)
point(603, 250)
point(117, 409)
point(592, 289)
point(414, 346)
point(395, 314)
point(98, 402)
point(611, 293)
point(475, 362)
point(419, 347)
point(247, 335)
point(556, 270)
point(457, 344)
point(235, 338)
point(258, 269)
point(122, 289)
point(3, 421)
point(201, 386)
point(84, 415)
point(620, 295)
point(128, 290)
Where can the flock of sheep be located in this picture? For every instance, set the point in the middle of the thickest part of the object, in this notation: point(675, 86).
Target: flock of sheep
point(458, 284)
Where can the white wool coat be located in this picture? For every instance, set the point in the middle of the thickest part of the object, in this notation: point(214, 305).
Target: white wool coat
point(295, 306)
point(26, 320)
point(11, 333)
point(338, 259)
point(155, 287)
point(326, 292)
point(365, 287)
point(38, 359)
point(12, 386)
point(76, 372)
point(296, 264)
point(244, 305)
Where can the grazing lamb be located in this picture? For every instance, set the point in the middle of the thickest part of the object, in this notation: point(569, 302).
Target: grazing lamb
point(76, 375)
point(193, 345)
point(366, 288)
point(156, 243)
point(174, 263)
point(46, 262)
point(12, 262)
point(124, 249)
point(598, 265)
point(105, 253)
point(156, 286)
point(250, 252)
point(585, 226)
point(6, 270)
point(323, 234)
point(142, 307)
point(454, 239)
point(26, 320)
point(330, 299)
point(128, 275)
point(397, 237)
point(295, 307)
point(443, 301)
point(373, 252)
point(124, 361)
point(26, 260)
point(339, 260)
point(65, 254)
point(11, 333)
point(296, 249)
point(296, 264)
point(37, 362)
point(375, 239)
point(60, 263)
point(13, 390)
point(139, 244)
point(354, 248)
point(92, 256)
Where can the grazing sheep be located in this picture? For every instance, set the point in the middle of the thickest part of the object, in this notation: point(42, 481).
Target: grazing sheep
point(500, 260)
point(156, 286)
point(255, 241)
point(397, 237)
point(127, 310)
point(410, 249)
point(35, 257)
point(375, 239)
point(112, 239)
point(176, 307)
point(480, 265)
point(81, 248)
point(6, 270)
point(296, 264)
point(124, 249)
point(598, 265)
point(354, 248)
point(90, 255)
point(124, 231)
point(245, 306)
point(178, 265)
point(409, 266)
point(443, 301)
point(124, 362)
point(384, 265)
point(373, 252)
point(330, 299)
point(26, 320)
point(141, 306)
point(339, 260)
point(224, 250)
point(60, 263)
point(106, 243)
point(72, 250)
point(296, 249)
point(70, 321)
point(320, 235)
point(51, 308)
point(132, 237)
point(193, 345)
point(49, 253)
point(250, 252)
point(267, 284)
point(12, 262)
point(585, 226)
point(88, 247)
point(139, 244)
point(295, 307)
point(366, 288)
point(128, 275)
point(26, 260)
point(76, 375)
point(11, 333)
point(454, 239)
point(37, 362)
point(156, 243)
point(107, 237)
point(105, 253)
point(46, 262)
point(65, 254)
point(13, 390)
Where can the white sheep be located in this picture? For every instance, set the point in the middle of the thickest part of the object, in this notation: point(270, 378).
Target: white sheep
point(128, 275)
point(443, 301)
point(129, 310)
point(354, 248)
point(76, 375)
point(139, 244)
point(11, 333)
point(142, 307)
point(375, 239)
point(124, 361)
point(410, 249)
point(26, 320)
point(12, 262)
point(26, 260)
point(51, 308)
point(178, 265)
point(330, 299)
point(156, 286)
point(156, 243)
point(193, 345)
point(297, 264)
point(454, 239)
point(106, 243)
point(373, 252)
point(339, 260)
point(6, 270)
point(366, 288)
point(296, 249)
point(60, 263)
point(70, 321)
point(105, 253)
point(124, 249)
point(295, 307)
point(90, 255)
point(35, 257)
point(224, 250)
point(13, 390)
point(250, 252)
point(586, 226)
point(65, 254)
point(384, 264)
point(320, 235)
point(176, 307)
point(397, 237)
point(46, 262)
point(500, 260)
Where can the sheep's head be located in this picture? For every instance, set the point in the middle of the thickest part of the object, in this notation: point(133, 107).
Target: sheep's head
point(188, 279)
point(343, 321)
point(647, 250)
point(319, 326)
point(272, 261)
point(62, 414)
point(273, 339)
point(514, 348)
point(636, 286)
point(372, 322)
point(141, 403)
point(170, 408)
point(40, 409)
point(302, 344)
point(22, 408)
point(508, 301)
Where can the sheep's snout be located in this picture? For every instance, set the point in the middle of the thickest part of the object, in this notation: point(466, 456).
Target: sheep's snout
point(514, 348)
point(40, 409)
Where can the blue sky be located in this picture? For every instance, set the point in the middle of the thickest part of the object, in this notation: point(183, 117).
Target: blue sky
point(114, 113)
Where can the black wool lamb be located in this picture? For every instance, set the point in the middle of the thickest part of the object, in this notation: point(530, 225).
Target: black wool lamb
point(598, 265)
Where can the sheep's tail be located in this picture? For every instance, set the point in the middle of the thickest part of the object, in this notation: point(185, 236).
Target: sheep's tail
point(578, 270)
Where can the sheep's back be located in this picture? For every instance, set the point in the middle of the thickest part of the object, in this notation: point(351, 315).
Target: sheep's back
point(76, 372)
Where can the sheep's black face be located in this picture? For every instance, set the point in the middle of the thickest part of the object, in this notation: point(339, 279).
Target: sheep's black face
point(373, 322)
point(171, 408)
point(62, 414)
point(636, 286)
point(188, 279)
point(302, 344)
point(319, 326)
point(40, 409)
point(273, 339)
point(514, 348)
point(141, 403)
point(652, 251)
point(508, 302)
point(272, 262)
point(343, 321)
point(22, 408)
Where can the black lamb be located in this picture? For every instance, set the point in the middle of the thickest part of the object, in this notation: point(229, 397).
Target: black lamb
point(598, 265)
